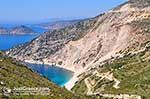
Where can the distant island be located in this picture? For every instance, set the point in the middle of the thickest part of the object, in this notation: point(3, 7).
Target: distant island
point(19, 30)
point(3, 30)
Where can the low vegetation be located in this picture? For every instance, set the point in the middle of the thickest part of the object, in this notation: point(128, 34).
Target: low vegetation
point(13, 75)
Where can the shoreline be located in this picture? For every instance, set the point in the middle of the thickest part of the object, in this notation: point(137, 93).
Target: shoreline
point(70, 84)
point(50, 64)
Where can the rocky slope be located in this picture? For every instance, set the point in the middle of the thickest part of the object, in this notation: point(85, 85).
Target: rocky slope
point(123, 78)
point(53, 42)
point(89, 43)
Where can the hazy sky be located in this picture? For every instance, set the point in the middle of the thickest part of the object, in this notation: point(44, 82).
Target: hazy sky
point(38, 10)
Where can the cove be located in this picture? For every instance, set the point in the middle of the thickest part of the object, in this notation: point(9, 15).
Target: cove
point(55, 74)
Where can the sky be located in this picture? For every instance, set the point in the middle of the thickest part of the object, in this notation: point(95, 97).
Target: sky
point(13, 11)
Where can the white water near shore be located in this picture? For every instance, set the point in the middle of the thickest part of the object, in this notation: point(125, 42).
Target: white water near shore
point(69, 85)
point(45, 63)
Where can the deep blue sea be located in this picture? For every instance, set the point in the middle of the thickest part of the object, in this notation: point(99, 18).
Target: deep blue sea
point(57, 75)
point(9, 41)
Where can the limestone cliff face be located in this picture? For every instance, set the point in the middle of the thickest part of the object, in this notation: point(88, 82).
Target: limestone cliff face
point(122, 30)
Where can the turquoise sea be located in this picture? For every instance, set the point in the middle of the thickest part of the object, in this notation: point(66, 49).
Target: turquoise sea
point(55, 74)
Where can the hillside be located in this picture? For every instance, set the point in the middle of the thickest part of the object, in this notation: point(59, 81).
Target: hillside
point(14, 75)
point(88, 41)
point(51, 42)
point(124, 77)
point(119, 37)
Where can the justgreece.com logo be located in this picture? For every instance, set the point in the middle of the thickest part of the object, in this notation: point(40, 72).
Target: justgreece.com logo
point(25, 91)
